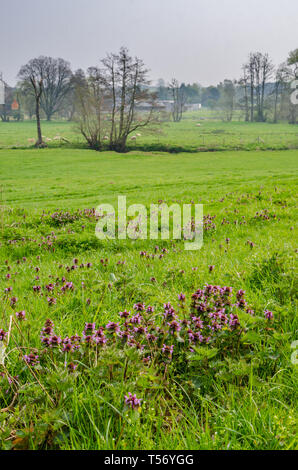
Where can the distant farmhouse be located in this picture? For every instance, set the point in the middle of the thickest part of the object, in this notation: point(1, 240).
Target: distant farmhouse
point(167, 106)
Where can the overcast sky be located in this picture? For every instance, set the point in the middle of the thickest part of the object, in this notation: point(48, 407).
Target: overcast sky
point(201, 41)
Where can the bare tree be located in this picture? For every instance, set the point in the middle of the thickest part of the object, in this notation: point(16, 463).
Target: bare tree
point(125, 82)
point(33, 74)
point(116, 94)
point(265, 75)
point(293, 62)
point(179, 99)
point(258, 69)
point(88, 104)
point(251, 74)
point(56, 85)
point(282, 77)
point(244, 84)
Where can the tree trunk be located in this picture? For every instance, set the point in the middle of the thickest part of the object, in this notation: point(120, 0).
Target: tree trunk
point(39, 142)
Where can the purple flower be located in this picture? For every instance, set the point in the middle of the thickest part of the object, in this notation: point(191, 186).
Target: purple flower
point(32, 359)
point(174, 327)
point(21, 315)
point(89, 329)
point(132, 401)
point(3, 334)
point(72, 367)
point(168, 349)
point(136, 318)
point(55, 341)
point(50, 287)
point(124, 314)
point(150, 309)
point(13, 301)
point(112, 326)
point(139, 307)
point(268, 314)
point(240, 294)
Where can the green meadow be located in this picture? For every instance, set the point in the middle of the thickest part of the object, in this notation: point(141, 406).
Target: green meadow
point(233, 388)
point(194, 133)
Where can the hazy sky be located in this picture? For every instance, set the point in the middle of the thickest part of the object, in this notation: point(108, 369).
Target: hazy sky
point(201, 41)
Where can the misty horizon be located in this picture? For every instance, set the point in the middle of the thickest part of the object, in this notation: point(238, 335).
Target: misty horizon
point(162, 35)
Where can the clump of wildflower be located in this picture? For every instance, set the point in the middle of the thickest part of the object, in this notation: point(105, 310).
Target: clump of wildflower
point(72, 367)
point(174, 327)
point(21, 315)
point(67, 345)
point(54, 341)
point(169, 312)
point(150, 309)
point(268, 315)
point(31, 359)
point(168, 350)
point(99, 337)
point(112, 326)
point(51, 300)
point(48, 328)
point(3, 334)
point(139, 307)
point(132, 401)
point(136, 318)
point(89, 329)
point(13, 301)
point(124, 314)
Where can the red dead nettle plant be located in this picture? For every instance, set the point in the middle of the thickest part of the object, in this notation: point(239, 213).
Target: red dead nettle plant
point(211, 324)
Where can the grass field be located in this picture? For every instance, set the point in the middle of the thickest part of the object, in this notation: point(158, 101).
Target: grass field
point(184, 136)
point(235, 390)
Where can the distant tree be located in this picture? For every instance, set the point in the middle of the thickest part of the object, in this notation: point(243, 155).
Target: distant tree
point(243, 100)
point(115, 95)
point(88, 98)
point(210, 96)
point(162, 90)
point(250, 70)
point(281, 84)
point(27, 98)
point(193, 93)
point(33, 74)
point(293, 58)
point(179, 97)
point(69, 103)
point(56, 85)
point(5, 109)
point(227, 98)
point(258, 71)
point(293, 62)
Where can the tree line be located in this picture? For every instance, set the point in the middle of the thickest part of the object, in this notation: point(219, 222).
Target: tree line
point(114, 99)
point(262, 93)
